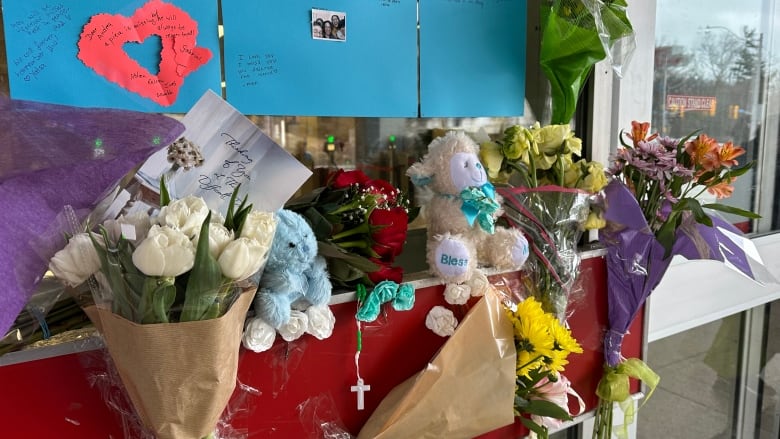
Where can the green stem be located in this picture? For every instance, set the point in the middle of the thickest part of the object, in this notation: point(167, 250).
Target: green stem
point(353, 244)
point(362, 228)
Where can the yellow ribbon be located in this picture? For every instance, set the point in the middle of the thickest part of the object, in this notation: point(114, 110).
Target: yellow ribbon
point(614, 387)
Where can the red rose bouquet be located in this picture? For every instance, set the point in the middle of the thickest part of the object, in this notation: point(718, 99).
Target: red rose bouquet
point(360, 224)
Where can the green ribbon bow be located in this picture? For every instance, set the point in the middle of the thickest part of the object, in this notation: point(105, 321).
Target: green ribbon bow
point(614, 387)
point(479, 204)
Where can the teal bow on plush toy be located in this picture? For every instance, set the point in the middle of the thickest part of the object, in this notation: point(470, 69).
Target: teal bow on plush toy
point(479, 204)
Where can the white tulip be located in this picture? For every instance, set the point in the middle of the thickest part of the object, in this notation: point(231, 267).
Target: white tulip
point(242, 258)
point(295, 327)
point(441, 321)
point(134, 227)
point(258, 336)
point(140, 220)
point(219, 238)
point(321, 321)
point(217, 217)
point(186, 215)
point(75, 263)
point(259, 226)
point(165, 252)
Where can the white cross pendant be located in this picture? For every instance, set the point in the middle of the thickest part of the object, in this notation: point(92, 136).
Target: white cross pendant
point(360, 388)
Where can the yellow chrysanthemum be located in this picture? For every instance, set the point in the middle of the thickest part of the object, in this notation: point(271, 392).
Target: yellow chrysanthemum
point(534, 345)
point(556, 361)
point(563, 339)
point(532, 339)
point(530, 309)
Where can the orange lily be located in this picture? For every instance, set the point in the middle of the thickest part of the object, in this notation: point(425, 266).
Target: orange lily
point(728, 153)
point(723, 189)
point(639, 132)
point(704, 151)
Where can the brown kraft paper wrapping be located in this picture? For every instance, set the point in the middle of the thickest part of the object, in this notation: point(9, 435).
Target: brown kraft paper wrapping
point(466, 390)
point(179, 376)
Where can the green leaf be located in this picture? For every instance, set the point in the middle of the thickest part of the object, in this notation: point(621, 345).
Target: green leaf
point(240, 217)
point(320, 225)
point(412, 213)
point(112, 270)
point(305, 200)
point(694, 207)
point(165, 197)
point(666, 234)
point(732, 210)
point(204, 281)
point(162, 300)
point(542, 407)
point(540, 430)
point(229, 221)
point(329, 250)
point(740, 170)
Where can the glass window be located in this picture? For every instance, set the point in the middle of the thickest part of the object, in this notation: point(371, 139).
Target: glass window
point(712, 73)
point(768, 413)
point(696, 395)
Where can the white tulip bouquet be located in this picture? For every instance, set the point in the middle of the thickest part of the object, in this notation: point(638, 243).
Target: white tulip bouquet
point(178, 264)
point(172, 290)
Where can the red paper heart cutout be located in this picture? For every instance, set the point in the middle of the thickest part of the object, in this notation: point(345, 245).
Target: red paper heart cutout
point(101, 41)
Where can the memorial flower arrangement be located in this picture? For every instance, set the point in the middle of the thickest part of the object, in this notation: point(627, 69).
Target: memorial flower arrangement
point(360, 224)
point(172, 294)
point(543, 345)
point(653, 213)
point(554, 203)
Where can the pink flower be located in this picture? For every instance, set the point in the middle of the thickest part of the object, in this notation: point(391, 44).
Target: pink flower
point(556, 392)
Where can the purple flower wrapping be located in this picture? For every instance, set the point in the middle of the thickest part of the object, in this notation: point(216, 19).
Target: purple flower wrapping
point(635, 259)
point(54, 156)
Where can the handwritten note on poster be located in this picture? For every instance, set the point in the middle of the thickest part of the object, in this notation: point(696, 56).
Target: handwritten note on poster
point(472, 58)
point(101, 49)
point(235, 152)
point(274, 66)
point(42, 44)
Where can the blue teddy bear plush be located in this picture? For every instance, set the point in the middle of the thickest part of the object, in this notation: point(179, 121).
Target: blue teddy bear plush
point(293, 271)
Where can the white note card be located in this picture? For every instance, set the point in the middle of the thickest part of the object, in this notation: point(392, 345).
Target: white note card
point(235, 151)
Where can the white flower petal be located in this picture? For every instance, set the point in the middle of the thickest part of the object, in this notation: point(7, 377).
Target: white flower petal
point(441, 321)
point(295, 327)
point(258, 336)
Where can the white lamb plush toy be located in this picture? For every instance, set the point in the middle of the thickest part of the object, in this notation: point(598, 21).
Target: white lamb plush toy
point(462, 212)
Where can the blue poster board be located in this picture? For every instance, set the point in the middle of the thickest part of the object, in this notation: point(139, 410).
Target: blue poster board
point(472, 58)
point(42, 38)
point(274, 65)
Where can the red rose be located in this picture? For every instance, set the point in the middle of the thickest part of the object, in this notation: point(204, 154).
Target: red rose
point(341, 178)
point(388, 231)
point(384, 189)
